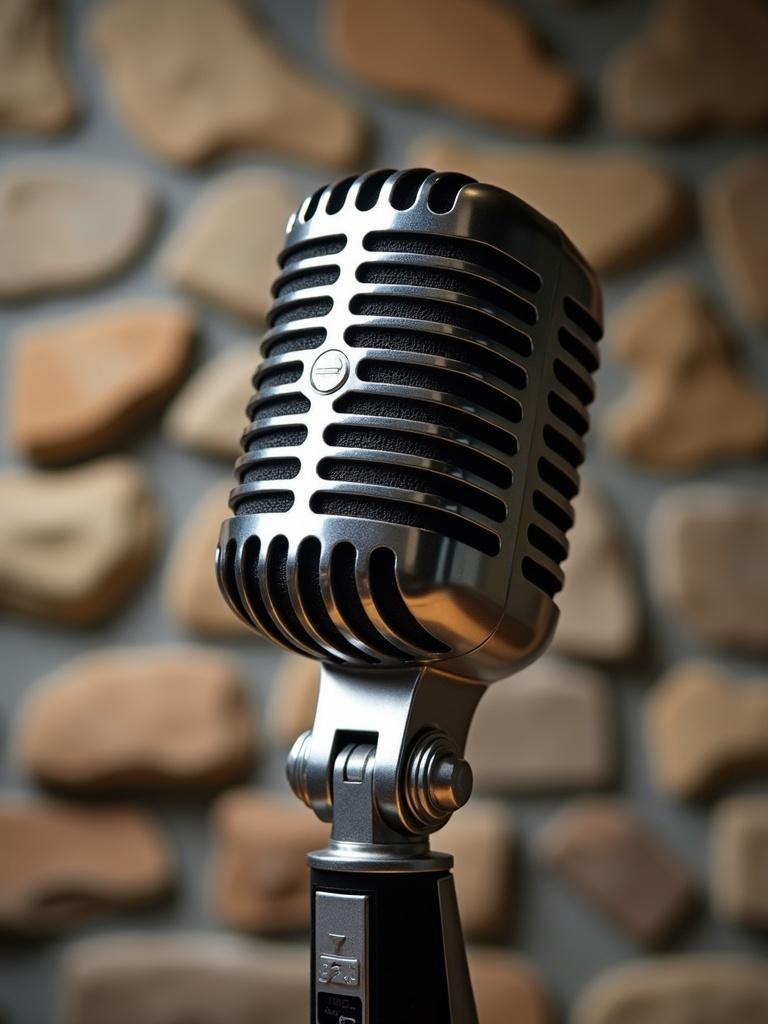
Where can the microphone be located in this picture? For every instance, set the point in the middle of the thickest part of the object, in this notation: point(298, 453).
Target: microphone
point(400, 514)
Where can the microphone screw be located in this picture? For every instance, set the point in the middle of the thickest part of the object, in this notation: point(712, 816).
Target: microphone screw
point(296, 767)
point(451, 782)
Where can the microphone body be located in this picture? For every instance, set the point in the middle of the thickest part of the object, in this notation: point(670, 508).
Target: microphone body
point(401, 511)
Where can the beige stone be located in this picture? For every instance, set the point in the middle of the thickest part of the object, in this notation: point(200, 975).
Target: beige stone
point(65, 225)
point(705, 729)
point(61, 865)
point(261, 879)
point(165, 717)
point(736, 216)
point(208, 414)
point(600, 615)
point(699, 64)
point(194, 78)
point(190, 591)
point(739, 859)
point(703, 989)
point(548, 728)
point(507, 988)
point(709, 549)
point(689, 403)
point(74, 543)
point(293, 698)
point(35, 93)
point(620, 208)
point(600, 847)
point(77, 386)
point(475, 56)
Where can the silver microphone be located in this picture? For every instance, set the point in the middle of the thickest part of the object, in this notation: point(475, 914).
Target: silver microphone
point(401, 513)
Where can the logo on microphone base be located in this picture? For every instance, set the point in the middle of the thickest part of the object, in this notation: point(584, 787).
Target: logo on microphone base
point(329, 371)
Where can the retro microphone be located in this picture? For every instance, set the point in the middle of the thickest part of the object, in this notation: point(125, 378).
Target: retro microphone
point(400, 515)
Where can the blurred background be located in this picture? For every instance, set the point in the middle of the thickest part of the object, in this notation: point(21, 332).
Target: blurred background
point(151, 858)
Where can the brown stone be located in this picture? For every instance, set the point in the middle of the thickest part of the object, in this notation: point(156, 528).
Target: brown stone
point(736, 216)
point(208, 414)
point(599, 846)
point(60, 865)
point(599, 606)
point(704, 989)
point(548, 728)
point(705, 729)
point(35, 94)
point(65, 225)
point(689, 403)
point(173, 717)
point(700, 64)
point(194, 78)
point(739, 859)
point(620, 208)
point(507, 989)
point(293, 698)
point(480, 837)
point(475, 56)
point(261, 879)
point(74, 543)
point(190, 591)
point(78, 385)
point(709, 550)
point(207, 978)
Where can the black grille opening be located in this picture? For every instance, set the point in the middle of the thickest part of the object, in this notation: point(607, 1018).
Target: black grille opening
point(294, 341)
point(562, 446)
point(393, 608)
point(567, 414)
point(301, 309)
point(347, 598)
point(445, 191)
point(275, 437)
point(339, 194)
point(406, 478)
point(285, 405)
point(270, 469)
point(311, 208)
point(277, 578)
point(406, 513)
point(329, 245)
point(433, 344)
point(555, 477)
point(452, 453)
point(548, 509)
point(370, 189)
point(448, 382)
point(225, 569)
point(461, 423)
point(262, 503)
point(452, 281)
point(454, 248)
point(578, 350)
point(250, 583)
point(582, 318)
point(276, 376)
point(546, 543)
point(573, 382)
point(472, 320)
point(541, 577)
point(406, 188)
point(312, 277)
point(311, 595)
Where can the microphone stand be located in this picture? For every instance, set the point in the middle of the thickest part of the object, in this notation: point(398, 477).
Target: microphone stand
point(383, 762)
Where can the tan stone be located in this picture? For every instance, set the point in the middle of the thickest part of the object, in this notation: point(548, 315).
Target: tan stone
point(76, 386)
point(600, 614)
point(60, 865)
point(480, 837)
point(196, 77)
point(35, 94)
point(709, 549)
point(208, 414)
point(689, 403)
point(65, 225)
point(293, 698)
point(207, 978)
point(703, 989)
point(74, 543)
point(548, 728)
point(128, 717)
point(190, 591)
point(260, 878)
point(475, 56)
point(620, 208)
point(599, 846)
point(705, 729)
point(699, 64)
point(736, 216)
point(739, 859)
point(507, 989)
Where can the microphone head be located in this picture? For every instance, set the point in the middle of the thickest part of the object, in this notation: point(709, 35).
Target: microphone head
point(405, 489)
